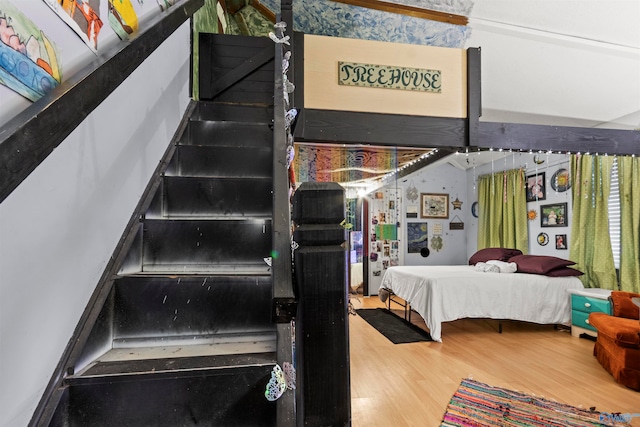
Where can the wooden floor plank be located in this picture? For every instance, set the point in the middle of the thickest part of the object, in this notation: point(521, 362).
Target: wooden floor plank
point(411, 384)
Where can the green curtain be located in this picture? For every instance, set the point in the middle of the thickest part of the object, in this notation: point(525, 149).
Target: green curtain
point(590, 245)
point(629, 182)
point(502, 206)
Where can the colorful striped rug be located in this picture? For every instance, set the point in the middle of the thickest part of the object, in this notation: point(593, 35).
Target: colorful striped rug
point(477, 404)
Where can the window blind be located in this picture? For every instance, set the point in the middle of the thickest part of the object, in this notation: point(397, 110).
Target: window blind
point(614, 214)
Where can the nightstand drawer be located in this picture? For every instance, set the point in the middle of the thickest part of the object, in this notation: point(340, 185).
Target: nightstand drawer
point(590, 305)
point(581, 319)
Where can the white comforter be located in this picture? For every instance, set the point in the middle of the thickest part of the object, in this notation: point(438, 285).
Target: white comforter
point(444, 293)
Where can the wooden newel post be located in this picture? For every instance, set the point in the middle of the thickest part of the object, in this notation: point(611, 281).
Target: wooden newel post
point(322, 329)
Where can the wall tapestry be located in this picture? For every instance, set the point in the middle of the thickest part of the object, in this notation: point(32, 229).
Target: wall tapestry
point(29, 61)
point(328, 18)
point(354, 163)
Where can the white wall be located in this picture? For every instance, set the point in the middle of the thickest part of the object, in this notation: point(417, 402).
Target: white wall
point(445, 179)
point(60, 226)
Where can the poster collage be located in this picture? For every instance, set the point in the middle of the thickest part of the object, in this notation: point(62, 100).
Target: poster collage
point(30, 60)
point(385, 208)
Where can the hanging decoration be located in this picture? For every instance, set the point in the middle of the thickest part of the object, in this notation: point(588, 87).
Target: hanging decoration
point(412, 192)
point(457, 204)
point(532, 214)
point(436, 241)
point(282, 379)
point(543, 239)
point(456, 225)
point(474, 209)
point(560, 181)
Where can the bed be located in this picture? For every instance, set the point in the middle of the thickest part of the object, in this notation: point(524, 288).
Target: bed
point(445, 293)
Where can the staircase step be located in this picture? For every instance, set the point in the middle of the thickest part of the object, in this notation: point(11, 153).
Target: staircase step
point(229, 134)
point(193, 396)
point(198, 245)
point(236, 198)
point(215, 161)
point(233, 112)
point(164, 311)
point(112, 369)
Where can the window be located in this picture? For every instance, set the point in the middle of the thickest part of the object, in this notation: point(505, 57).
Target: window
point(614, 214)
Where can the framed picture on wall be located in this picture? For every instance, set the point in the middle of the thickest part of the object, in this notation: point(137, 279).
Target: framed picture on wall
point(553, 215)
point(434, 205)
point(536, 187)
point(561, 241)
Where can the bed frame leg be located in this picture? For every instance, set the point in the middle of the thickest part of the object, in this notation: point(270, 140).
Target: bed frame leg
point(499, 326)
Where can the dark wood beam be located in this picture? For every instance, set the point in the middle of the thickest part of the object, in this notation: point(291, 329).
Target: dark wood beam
point(381, 129)
point(474, 99)
point(432, 15)
point(526, 137)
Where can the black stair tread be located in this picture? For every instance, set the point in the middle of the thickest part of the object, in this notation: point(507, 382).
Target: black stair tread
point(222, 161)
point(228, 134)
point(245, 177)
point(144, 275)
point(214, 217)
point(205, 197)
point(256, 269)
point(127, 370)
point(233, 112)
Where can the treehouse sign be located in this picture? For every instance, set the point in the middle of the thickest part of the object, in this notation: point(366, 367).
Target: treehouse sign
point(389, 77)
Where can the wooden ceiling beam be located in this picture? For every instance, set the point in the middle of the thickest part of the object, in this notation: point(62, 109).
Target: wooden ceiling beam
point(432, 15)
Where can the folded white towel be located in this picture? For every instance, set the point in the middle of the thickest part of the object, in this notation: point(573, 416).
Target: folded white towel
point(505, 267)
point(487, 268)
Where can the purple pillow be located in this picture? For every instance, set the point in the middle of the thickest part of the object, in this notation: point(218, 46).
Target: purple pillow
point(564, 272)
point(488, 254)
point(539, 264)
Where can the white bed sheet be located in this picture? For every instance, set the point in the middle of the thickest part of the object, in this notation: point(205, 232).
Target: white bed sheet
point(445, 293)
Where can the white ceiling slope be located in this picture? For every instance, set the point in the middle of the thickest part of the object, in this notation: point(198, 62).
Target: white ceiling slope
point(558, 62)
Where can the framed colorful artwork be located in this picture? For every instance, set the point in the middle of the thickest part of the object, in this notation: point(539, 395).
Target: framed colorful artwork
point(536, 187)
point(434, 205)
point(553, 215)
point(560, 181)
point(417, 236)
point(561, 241)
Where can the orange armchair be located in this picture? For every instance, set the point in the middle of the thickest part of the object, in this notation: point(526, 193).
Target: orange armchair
point(617, 347)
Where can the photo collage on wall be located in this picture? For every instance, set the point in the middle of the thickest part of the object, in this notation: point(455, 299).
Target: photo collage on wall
point(548, 214)
point(384, 223)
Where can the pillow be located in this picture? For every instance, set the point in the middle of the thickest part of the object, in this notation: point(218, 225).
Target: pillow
point(488, 254)
point(564, 272)
point(539, 264)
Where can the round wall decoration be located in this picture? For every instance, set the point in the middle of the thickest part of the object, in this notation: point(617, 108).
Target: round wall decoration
point(560, 181)
point(474, 209)
point(543, 239)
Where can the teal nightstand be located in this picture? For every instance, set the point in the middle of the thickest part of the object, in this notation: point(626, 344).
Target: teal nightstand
point(584, 302)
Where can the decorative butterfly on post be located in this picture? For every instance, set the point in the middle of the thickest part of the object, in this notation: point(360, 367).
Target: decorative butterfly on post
point(281, 379)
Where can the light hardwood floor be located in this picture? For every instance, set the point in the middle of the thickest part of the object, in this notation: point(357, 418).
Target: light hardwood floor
point(411, 384)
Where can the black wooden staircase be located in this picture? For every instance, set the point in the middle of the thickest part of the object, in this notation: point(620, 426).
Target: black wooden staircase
point(187, 329)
